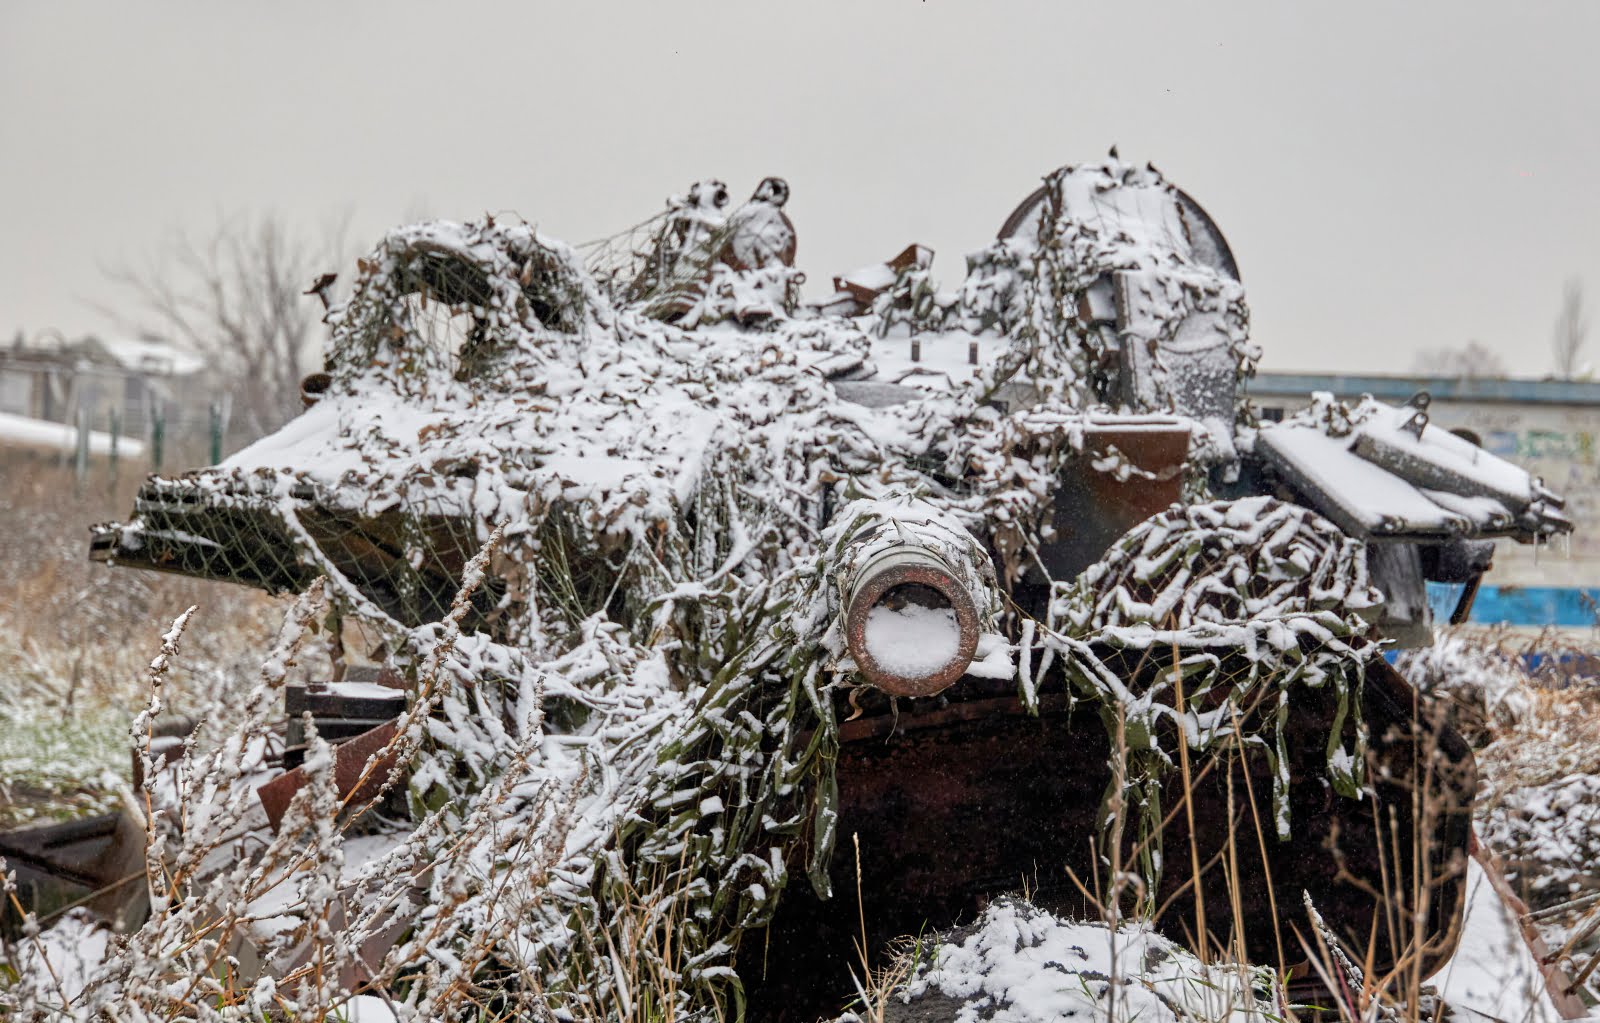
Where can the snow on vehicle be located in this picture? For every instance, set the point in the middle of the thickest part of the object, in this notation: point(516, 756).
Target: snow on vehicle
point(912, 595)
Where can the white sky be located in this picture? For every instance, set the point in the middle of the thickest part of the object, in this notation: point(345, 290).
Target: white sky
point(1391, 177)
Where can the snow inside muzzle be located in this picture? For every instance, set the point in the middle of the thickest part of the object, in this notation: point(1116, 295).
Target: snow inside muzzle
point(910, 625)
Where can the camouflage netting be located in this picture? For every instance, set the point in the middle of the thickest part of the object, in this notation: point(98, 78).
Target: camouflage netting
point(645, 683)
point(1234, 606)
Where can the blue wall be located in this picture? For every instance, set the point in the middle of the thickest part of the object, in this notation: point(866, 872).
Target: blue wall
point(1569, 607)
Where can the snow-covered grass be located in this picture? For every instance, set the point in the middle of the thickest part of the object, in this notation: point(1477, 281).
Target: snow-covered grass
point(1019, 964)
point(1015, 963)
point(1538, 809)
point(53, 769)
point(75, 639)
point(669, 557)
point(75, 650)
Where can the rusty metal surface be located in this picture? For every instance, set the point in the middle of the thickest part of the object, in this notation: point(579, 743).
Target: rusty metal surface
point(96, 861)
point(312, 387)
point(1093, 509)
point(335, 703)
point(967, 798)
point(68, 850)
point(349, 761)
point(339, 716)
point(906, 565)
point(864, 293)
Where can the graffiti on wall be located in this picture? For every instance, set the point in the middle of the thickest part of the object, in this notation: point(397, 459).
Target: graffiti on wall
point(1558, 444)
point(1541, 444)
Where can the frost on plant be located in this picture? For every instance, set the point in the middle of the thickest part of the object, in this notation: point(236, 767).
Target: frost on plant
point(1235, 606)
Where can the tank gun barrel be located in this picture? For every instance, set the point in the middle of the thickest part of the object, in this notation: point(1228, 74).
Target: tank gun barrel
point(915, 598)
point(910, 625)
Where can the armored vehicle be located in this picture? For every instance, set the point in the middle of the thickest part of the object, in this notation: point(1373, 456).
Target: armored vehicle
point(845, 615)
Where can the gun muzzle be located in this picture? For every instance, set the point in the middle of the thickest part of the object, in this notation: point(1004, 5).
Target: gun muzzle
point(910, 625)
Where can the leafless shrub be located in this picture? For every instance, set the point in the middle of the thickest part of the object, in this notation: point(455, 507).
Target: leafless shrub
point(238, 296)
point(1571, 330)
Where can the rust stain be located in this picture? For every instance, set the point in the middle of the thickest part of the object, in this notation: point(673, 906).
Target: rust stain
point(349, 760)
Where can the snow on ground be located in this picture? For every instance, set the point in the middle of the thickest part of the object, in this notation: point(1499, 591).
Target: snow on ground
point(68, 953)
point(365, 1009)
point(1020, 964)
point(1493, 973)
point(271, 911)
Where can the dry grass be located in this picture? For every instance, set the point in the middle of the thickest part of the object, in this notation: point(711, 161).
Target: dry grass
point(76, 640)
point(1538, 807)
point(81, 630)
point(1539, 737)
point(346, 929)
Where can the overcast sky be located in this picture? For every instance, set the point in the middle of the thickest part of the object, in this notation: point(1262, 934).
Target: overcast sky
point(1390, 177)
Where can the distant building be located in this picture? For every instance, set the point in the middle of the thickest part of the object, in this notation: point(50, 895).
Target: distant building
point(1550, 428)
point(52, 379)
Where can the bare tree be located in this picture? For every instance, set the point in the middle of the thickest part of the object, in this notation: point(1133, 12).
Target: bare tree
point(1475, 360)
point(1571, 330)
point(238, 297)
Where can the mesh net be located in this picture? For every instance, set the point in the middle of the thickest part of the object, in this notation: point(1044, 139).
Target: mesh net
point(406, 560)
point(659, 265)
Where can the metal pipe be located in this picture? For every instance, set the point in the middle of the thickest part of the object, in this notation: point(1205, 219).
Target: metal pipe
point(909, 573)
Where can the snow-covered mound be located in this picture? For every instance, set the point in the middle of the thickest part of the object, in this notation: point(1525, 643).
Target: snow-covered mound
point(1019, 964)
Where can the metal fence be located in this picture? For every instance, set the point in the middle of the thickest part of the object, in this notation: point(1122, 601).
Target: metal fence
point(117, 440)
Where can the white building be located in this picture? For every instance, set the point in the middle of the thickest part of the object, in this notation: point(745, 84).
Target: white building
point(51, 385)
